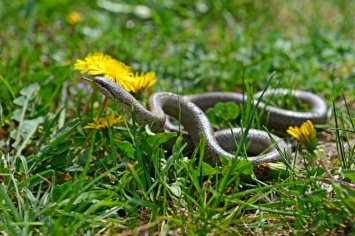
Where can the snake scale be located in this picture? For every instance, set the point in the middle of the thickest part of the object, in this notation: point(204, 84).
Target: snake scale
point(190, 111)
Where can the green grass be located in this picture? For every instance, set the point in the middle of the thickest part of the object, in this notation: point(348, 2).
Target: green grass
point(58, 179)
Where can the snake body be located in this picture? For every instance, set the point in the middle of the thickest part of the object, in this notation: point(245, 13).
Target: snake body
point(189, 110)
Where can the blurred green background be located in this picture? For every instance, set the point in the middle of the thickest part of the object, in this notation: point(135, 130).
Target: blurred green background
point(193, 46)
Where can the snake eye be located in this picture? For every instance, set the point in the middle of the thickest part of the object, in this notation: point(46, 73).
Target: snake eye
point(101, 82)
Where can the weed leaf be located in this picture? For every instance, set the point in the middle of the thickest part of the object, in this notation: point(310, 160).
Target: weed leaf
point(62, 133)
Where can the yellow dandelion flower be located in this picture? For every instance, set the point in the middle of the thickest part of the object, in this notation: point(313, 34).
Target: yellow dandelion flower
point(104, 65)
point(139, 82)
point(306, 134)
point(73, 18)
point(103, 123)
point(101, 64)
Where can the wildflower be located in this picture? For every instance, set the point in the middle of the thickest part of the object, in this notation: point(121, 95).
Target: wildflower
point(104, 65)
point(139, 82)
point(102, 123)
point(101, 64)
point(306, 134)
point(73, 18)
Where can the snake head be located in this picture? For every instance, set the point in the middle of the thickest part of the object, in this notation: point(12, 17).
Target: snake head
point(116, 93)
point(107, 87)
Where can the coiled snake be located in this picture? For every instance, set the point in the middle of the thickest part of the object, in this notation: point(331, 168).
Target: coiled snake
point(190, 111)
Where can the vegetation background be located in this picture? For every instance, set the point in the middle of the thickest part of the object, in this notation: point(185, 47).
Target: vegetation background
point(58, 179)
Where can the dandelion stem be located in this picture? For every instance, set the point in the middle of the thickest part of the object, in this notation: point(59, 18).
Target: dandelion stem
point(88, 102)
point(329, 180)
point(104, 103)
point(326, 170)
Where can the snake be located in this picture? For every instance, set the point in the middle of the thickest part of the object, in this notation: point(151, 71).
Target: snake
point(189, 110)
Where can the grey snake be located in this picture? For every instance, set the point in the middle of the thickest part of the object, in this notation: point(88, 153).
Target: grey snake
point(189, 110)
